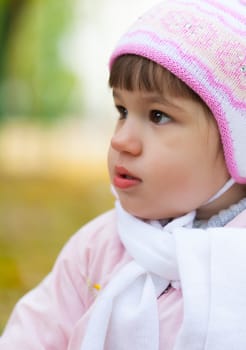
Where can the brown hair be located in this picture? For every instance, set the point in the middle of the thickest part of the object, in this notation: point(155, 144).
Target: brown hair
point(132, 72)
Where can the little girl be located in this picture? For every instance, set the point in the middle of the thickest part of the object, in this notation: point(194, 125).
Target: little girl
point(166, 269)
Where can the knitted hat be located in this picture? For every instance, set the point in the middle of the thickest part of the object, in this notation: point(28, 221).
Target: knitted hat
point(203, 43)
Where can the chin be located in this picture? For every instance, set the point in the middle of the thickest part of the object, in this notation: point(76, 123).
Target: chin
point(144, 213)
point(133, 210)
point(141, 213)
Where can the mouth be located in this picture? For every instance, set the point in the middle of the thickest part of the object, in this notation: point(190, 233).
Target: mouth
point(123, 179)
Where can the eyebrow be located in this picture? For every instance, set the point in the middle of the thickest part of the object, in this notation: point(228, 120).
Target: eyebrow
point(155, 98)
point(158, 99)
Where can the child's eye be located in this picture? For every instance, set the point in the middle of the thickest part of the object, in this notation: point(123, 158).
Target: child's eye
point(158, 117)
point(122, 111)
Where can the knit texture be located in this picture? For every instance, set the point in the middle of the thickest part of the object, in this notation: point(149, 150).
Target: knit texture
point(223, 217)
point(202, 42)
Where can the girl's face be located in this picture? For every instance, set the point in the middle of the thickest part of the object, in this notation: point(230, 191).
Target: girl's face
point(165, 157)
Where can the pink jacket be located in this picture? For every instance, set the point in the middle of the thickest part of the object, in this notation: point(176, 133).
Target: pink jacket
point(54, 315)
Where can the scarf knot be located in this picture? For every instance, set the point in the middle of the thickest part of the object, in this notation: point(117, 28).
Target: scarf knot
point(208, 264)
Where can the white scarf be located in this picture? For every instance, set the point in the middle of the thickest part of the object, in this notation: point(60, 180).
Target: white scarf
point(209, 264)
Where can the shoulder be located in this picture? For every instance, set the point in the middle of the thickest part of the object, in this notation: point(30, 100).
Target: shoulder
point(96, 246)
point(96, 232)
point(91, 256)
point(99, 241)
point(100, 223)
point(96, 252)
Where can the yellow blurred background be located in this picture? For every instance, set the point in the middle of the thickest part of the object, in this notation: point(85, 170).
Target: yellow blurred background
point(56, 118)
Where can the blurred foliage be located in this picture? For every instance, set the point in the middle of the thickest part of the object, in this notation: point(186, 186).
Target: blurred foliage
point(37, 216)
point(35, 81)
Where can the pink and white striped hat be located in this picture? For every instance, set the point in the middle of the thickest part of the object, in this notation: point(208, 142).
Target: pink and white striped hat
point(202, 42)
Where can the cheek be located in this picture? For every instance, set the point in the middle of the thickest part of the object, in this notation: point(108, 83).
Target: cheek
point(110, 161)
point(177, 169)
point(219, 167)
point(170, 177)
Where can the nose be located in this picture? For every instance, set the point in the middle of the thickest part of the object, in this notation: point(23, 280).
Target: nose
point(127, 139)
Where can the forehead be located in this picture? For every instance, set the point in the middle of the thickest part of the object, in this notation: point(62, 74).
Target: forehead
point(148, 96)
point(132, 72)
point(137, 73)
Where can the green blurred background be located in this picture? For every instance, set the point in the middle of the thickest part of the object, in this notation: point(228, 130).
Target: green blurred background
point(56, 117)
point(49, 187)
point(35, 83)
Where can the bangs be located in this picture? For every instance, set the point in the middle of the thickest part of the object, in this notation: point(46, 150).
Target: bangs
point(132, 72)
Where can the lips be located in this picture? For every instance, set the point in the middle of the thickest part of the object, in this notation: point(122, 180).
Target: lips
point(123, 179)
